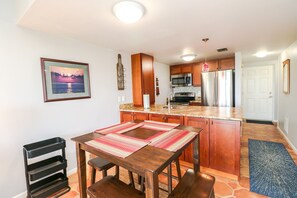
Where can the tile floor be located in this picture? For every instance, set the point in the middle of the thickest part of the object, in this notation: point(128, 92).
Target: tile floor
point(224, 187)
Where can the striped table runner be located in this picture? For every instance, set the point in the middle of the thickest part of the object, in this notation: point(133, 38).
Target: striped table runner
point(161, 126)
point(172, 140)
point(118, 144)
point(119, 128)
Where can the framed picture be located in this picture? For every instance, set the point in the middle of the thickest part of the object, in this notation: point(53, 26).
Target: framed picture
point(65, 80)
point(286, 76)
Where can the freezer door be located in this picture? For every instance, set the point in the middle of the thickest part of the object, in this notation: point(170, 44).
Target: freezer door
point(225, 88)
point(209, 88)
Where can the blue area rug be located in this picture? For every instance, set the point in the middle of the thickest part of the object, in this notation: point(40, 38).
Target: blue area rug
point(272, 171)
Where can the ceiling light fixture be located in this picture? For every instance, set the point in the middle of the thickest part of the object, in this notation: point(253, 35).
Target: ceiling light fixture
point(128, 11)
point(261, 54)
point(188, 57)
point(205, 67)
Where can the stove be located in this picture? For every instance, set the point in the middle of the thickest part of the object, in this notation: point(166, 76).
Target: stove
point(183, 98)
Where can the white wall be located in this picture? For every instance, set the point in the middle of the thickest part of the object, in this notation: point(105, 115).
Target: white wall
point(162, 73)
point(287, 102)
point(25, 118)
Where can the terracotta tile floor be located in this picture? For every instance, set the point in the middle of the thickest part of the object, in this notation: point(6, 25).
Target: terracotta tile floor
point(224, 187)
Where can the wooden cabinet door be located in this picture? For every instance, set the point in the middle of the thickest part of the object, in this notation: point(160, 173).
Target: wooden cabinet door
point(213, 65)
point(143, 80)
point(227, 63)
point(174, 119)
point(126, 116)
point(157, 117)
point(197, 68)
point(202, 123)
point(141, 116)
point(175, 69)
point(225, 146)
point(186, 68)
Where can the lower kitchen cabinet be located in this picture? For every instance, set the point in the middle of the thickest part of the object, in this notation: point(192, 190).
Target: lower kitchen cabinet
point(225, 146)
point(202, 123)
point(131, 116)
point(167, 118)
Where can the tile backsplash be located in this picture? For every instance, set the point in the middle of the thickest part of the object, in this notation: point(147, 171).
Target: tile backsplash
point(196, 90)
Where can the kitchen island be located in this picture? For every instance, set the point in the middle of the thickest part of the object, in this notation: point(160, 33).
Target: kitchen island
point(219, 140)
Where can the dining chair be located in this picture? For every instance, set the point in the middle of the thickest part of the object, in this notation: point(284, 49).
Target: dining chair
point(194, 185)
point(103, 165)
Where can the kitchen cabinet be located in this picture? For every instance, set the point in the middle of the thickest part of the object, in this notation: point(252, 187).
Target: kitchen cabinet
point(180, 69)
point(197, 69)
point(202, 123)
point(227, 63)
point(213, 65)
point(166, 118)
point(225, 146)
point(131, 116)
point(143, 81)
point(195, 103)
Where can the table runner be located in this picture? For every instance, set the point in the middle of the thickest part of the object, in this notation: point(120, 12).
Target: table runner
point(119, 128)
point(161, 126)
point(118, 144)
point(172, 140)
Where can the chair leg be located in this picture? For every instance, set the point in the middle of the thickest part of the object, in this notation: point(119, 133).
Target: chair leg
point(93, 175)
point(169, 177)
point(142, 187)
point(104, 173)
point(131, 179)
point(117, 172)
point(212, 195)
point(178, 169)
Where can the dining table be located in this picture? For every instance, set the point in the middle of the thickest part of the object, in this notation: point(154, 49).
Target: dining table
point(148, 162)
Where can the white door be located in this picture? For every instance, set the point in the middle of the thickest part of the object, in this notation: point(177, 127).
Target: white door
point(257, 92)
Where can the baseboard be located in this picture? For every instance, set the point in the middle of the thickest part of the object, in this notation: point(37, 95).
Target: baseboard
point(290, 143)
point(24, 194)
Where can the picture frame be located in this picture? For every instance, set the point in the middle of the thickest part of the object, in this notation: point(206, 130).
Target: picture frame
point(286, 76)
point(64, 80)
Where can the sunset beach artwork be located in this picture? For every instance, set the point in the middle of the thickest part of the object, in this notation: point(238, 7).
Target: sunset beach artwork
point(65, 80)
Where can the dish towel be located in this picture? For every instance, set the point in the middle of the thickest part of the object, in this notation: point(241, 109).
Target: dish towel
point(119, 128)
point(172, 140)
point(118, 144)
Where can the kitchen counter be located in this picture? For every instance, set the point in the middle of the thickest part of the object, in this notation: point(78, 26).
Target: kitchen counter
point(225, 113)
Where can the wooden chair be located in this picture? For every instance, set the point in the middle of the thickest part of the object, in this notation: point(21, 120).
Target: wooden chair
point(169, 176)
point(110, 186)
point(194, 185)
point(103, 165)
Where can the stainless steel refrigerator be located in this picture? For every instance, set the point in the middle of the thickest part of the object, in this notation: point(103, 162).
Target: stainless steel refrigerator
point(218, 88)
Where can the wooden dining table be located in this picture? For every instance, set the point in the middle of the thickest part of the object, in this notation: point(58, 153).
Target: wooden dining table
point(147, 162)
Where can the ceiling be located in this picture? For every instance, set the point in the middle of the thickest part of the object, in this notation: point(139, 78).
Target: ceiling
point(171, 28)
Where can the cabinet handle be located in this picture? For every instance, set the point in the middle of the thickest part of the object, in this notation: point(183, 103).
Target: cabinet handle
point(206, 121)
point(212, 122)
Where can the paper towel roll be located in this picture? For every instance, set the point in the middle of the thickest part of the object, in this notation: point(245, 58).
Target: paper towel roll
point(146, 101)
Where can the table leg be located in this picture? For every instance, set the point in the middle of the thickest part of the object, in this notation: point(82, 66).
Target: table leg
point(151, 185)
point(169, 177)
point(81, 171)
point(196, 154)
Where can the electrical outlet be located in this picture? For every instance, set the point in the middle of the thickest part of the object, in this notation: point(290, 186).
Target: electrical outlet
point(123, 98)
point(119, 98)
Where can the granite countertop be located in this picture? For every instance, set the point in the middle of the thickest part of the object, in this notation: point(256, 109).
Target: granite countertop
point(226, 113)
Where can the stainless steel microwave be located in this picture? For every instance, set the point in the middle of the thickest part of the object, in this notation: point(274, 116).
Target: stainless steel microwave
point(181, 80)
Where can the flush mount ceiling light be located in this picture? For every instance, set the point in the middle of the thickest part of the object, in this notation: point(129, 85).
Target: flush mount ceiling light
point(188, 57)
point(128, 11)
point(261, 54)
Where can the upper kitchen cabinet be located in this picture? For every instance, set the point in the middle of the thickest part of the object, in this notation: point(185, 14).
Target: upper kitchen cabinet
point(142, 78)
point(197, 68)
point(227, 63)
point(180, 69)
point(213, 65)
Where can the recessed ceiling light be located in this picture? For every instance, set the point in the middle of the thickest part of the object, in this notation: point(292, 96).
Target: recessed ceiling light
point(261, 54)
point(188, 57)
point(128, 11)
